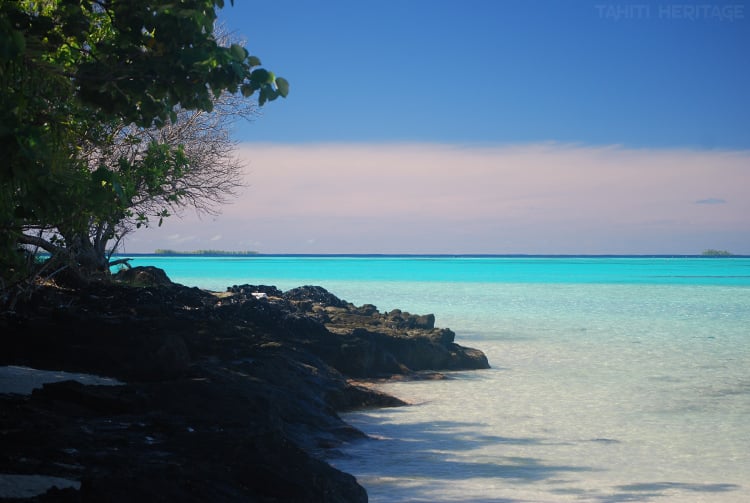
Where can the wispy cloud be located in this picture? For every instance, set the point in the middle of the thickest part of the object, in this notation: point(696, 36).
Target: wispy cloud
point(711, 200)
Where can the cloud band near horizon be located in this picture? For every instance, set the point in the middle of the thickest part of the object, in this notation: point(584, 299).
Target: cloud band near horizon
point(435, 198)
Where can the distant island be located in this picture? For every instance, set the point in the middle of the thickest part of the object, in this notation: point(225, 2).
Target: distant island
point(215, 253)
point(716, 253)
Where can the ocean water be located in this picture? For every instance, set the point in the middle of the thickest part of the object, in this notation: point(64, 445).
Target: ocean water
point(612, 380)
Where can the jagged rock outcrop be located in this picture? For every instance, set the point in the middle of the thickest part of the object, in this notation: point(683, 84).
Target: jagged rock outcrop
point(369, 343)
point(229, 397)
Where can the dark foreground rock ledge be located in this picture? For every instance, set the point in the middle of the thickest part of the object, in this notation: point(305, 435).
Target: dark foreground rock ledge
point(228, 397)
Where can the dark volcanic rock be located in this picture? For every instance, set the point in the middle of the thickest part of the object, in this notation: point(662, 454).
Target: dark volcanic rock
point(316, 295)
point(144, 276)
point(183, 440)
point(229, 397)
point(375, 344)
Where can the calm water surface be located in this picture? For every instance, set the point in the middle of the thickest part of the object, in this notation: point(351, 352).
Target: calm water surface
point(613, 379)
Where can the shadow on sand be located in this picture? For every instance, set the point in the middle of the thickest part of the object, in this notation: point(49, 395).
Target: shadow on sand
point(413, 462)
point(419, 467)
point(651, 491)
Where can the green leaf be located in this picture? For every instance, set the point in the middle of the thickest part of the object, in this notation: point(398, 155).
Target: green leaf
point(101, 176)
point(267, 93)
point(118, 190)
point(238, 52)
point(18, 44)
point(253, 61)
point(282, 86)
point(260, 76)
point(247, 90)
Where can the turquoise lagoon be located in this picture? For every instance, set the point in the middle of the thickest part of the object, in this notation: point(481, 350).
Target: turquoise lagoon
point(613, 379)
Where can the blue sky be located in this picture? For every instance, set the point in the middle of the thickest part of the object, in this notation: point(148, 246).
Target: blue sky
point(637, 74)
point(490, 126)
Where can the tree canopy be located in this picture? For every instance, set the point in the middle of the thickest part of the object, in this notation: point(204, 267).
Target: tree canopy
point(73, 75)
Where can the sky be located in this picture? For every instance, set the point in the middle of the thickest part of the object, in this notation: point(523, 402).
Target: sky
point(489, 126)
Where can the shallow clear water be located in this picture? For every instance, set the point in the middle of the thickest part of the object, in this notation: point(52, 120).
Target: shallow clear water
point(613, 379)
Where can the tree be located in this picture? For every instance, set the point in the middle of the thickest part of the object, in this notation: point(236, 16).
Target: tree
point(146, 173)
point(77, 78)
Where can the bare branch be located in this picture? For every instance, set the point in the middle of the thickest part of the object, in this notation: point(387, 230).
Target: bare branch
point(40, 242)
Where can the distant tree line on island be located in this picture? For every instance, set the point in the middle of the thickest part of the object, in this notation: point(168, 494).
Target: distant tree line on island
point(160, 251)
point(716, 253)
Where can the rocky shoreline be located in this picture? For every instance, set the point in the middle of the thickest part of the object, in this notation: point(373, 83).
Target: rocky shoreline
point(227, 397)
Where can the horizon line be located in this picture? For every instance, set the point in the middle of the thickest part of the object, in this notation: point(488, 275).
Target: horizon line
point(435, 255)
